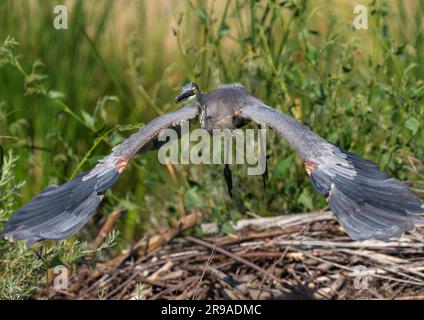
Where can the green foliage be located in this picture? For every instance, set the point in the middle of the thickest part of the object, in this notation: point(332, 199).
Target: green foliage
point(15, 263)
point(21, 269)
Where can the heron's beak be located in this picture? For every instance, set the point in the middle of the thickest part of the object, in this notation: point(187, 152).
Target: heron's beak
point(183, 96)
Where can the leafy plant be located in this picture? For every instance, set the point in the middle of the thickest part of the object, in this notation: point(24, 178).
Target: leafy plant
point(22, 269)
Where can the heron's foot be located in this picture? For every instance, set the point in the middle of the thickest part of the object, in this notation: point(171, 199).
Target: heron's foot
point(228, 179)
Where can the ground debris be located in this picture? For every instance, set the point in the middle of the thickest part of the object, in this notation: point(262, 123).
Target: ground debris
point(305, 256)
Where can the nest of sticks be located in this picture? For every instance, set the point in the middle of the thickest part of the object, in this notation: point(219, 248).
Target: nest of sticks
point(304, 256)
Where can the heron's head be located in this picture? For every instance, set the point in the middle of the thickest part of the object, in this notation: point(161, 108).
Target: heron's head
point(190, 90)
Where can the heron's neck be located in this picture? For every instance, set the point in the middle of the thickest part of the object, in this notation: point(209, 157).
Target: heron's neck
point(202, 107)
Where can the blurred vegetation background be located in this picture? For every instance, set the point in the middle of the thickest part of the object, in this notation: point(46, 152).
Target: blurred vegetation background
point(68, 96)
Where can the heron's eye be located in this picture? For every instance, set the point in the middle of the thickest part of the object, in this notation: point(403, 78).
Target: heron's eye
point(194, 90)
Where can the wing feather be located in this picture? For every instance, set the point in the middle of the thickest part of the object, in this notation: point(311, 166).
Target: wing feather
point(366, 202)
point(60, 211)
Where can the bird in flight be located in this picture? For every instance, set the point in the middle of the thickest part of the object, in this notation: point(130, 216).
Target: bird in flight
point(367, 202)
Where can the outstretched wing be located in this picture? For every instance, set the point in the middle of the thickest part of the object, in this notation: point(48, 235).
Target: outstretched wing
point(366, 202)
point(60, 211)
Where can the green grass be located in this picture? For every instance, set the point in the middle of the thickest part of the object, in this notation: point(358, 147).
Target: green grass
point(362, 90)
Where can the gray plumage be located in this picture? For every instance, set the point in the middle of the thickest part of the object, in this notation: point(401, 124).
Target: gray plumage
point(60, 211)
point(366, 202)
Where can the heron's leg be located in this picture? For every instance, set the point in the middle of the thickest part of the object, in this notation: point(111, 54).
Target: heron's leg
point(263, 151)
point(265, 174)
point(227, 170)
point(228, 179)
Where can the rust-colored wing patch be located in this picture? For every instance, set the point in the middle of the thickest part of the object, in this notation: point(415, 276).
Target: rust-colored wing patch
point(310, 167)
point(122, 163)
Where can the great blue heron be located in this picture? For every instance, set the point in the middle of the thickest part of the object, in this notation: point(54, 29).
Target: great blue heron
point(366, 202)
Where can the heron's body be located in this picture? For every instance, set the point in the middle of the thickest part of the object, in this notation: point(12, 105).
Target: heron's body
point(224, 106)
point(366, 202)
